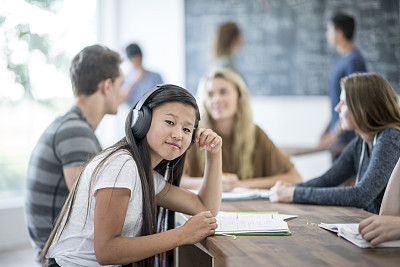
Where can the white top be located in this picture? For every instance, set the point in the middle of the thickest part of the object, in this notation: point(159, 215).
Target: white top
point(76, 245)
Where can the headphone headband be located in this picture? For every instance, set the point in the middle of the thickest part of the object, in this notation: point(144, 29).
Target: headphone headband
point(144, 98)
point(142, 115)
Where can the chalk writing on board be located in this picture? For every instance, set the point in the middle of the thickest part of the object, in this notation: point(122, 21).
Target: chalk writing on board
point(285, 51)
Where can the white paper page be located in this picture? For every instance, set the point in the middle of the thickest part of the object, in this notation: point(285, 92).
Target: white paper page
point(330, 227)
point(349, 231)
point(231, 222)
point(243, 193)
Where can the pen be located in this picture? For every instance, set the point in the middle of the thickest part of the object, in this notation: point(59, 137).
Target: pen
point(234, 237)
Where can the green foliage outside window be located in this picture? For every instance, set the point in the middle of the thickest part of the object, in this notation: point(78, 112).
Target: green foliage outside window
point(38, 39)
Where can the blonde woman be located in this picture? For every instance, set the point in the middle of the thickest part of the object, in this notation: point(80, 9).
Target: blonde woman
point(369, 105)
point(249, 157)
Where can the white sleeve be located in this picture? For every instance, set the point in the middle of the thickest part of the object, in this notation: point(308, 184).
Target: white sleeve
point(159, 182)
point(119, 171)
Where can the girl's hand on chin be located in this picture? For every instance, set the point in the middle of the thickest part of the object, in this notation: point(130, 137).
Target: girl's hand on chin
point(207, 139)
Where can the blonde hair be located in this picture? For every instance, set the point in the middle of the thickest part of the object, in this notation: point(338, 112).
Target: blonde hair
point(224, 39)
point(244, 129)
point(372, 102)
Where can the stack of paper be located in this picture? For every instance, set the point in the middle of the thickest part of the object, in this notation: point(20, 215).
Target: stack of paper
point(349, 231)
point(248, 223)
point(243, 193)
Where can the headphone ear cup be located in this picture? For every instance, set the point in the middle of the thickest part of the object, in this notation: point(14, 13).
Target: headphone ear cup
point(141, 122)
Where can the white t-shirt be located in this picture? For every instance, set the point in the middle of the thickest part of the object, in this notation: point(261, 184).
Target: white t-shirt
point(76, 245)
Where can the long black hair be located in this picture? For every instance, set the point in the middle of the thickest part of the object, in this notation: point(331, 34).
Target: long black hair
point(172, 171)
point(140, 152)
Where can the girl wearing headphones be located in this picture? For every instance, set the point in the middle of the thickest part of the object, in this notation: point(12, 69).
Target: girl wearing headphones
point(249, 157)
point(369, 105)
point(110, 217)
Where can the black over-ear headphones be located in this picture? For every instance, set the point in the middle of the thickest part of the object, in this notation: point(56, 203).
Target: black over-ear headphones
point(141, 116)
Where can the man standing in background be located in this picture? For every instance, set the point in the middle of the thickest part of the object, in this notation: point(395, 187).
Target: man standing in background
point(340, 33)
point(139, 80)
point(70, 141)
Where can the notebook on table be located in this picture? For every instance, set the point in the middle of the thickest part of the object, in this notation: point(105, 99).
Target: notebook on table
point(349, 231)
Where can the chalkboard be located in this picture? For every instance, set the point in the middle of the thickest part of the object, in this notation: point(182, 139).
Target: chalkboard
point(285, 51)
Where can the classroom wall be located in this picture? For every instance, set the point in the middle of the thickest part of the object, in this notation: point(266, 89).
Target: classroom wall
point(156, 25)
point(13, 232)
point(296, 122)
point(289, 121)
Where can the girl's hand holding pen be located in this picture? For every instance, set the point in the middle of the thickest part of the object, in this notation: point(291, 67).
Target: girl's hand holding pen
point(198, 227)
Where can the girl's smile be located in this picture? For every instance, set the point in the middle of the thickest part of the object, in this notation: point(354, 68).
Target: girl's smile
point(173, 145)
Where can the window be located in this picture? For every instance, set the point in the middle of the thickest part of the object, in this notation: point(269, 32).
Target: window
point(38, 39)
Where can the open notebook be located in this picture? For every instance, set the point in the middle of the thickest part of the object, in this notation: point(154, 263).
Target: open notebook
point(349, 231)
point(251, 223)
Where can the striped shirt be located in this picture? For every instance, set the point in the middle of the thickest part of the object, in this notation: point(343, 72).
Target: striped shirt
point(68, 141)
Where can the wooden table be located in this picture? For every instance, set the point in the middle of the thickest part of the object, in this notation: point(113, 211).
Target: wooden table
point(309, 245)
